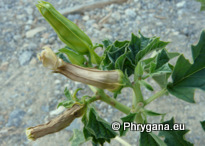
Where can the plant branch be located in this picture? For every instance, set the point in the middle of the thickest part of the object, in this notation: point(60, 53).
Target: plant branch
point(155, 96)
point(94, 98)
point(111, 101)
point(137, 94)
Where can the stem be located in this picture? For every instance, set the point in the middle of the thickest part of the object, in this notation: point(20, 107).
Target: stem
point(122, 141)
point(92, 88)
point(155, 96)
point(114, 103)
point(137, 94)
point(111, 101)
point(94, 98)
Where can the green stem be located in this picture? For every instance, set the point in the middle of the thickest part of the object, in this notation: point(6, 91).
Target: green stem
point(94, 98)
point(111, 101)
point(155, 96)
point(92, 88)
point(100, 95)
point(137, 94)
point(138, 101)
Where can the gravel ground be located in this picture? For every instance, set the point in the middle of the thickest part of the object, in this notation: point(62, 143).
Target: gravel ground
point(29, 93)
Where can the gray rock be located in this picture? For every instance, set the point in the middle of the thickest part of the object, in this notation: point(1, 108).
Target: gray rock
point(27, 27)
point(86, 18)
point(15, 118)
point(14, 96)
point(76, 124)
point(25, 57)
point(31, 33)
point(51, 40)
point(28, 102)
point(90, 22)
point(181, 4)
point(130, 13)
point(74, 17)
point(45, 108)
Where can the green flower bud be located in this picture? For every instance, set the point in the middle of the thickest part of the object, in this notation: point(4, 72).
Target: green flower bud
point(67, 31)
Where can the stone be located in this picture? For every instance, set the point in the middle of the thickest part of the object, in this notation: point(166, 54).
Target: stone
point(29, 10)
point(76, 124)
point(57, 111)
point(130, 13)
point(57, 81)
point(27, 27)
point(45, 108)
point(17, 37)
point(51, 40)
point(25, 57)
point(31, 33)
point(15, 118)
point(181, 4)
point(86, 18)
point(4, 66)
point(33, 61)
point(74, 17)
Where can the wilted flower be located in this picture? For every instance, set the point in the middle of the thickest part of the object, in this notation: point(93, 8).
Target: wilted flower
point(49, 59)
point(111, 80)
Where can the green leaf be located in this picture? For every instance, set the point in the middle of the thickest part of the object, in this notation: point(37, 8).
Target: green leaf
point(139, 69)
point(162, 79)
point(97, 128)
point(67, 94)
point(126, 54)
point(159, 68)
point(75, 93)
point(151, 113)
point(106, 43)
point(173, 137)
point(148, 45)
point(129, 118)
point(150, 139)
point(160, 65)
point(77, 138)
point(62, 56)
point(186, 76)
point(203, 124)
point(146, 85)
point(173, 54)
point(162, 58)
point(202, 4)
point(74, 57)
point(66, 104)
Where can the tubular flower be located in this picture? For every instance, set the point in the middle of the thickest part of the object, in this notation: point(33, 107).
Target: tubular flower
point(111, 80)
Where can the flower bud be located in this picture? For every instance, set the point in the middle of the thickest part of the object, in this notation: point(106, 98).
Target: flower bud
point(67, 31)
point(111, 80)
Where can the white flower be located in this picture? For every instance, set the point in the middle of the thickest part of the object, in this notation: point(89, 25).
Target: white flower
point(49, 59)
